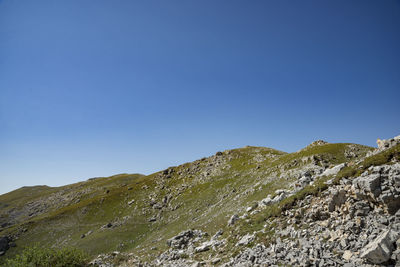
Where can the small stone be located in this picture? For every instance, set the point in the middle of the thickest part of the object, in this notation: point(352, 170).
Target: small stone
point(233, 219)
point(204, 247)
point(245, 240)
point(218, 234)
point(215, 261)
point(115, 253)
point(347, 255)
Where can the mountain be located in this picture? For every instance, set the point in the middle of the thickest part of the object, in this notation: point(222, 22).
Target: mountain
point(327, 204)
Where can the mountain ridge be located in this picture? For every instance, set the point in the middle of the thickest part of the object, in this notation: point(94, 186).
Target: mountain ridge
point(140, 213)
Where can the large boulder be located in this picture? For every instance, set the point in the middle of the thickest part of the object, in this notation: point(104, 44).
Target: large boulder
point(334, 170)
point(266, 201)
point(380, 250)
point(368, 185)
point(183, 239)
point(337, 199)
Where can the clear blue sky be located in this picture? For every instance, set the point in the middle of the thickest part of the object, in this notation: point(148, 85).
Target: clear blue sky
point(94, 88)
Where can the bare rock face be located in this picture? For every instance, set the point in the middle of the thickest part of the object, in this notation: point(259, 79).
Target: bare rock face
point(381, 185)
point(380, 250)
point(388, 143)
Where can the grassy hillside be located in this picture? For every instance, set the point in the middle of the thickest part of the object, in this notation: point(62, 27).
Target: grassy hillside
point(139, 213)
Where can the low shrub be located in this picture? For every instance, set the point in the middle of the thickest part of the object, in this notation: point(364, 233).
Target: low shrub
point(36, 256)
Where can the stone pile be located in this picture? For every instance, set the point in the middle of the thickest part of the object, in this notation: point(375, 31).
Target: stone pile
point(185, 245)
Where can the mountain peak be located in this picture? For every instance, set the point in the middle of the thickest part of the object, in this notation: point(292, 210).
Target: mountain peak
point(318, 143)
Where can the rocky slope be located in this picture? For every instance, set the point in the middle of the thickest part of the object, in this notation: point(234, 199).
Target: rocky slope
point(347, 220)
point(327, 204)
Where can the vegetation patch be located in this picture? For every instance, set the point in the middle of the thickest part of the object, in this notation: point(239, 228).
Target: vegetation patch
point(36, 256)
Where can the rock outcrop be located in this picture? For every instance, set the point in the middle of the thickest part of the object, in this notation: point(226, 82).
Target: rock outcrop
point(385, 144)
point(380, 249)
point(4, 245)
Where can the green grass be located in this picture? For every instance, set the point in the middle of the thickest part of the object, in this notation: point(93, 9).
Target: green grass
point(382, 158)
point(37, 256)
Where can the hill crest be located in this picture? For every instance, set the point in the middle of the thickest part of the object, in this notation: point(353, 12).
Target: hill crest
point(138, 214)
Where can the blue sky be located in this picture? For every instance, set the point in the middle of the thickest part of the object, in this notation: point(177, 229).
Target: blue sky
point(99, 87)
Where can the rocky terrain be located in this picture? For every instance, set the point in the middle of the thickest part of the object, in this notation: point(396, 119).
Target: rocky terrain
point(325, 205)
